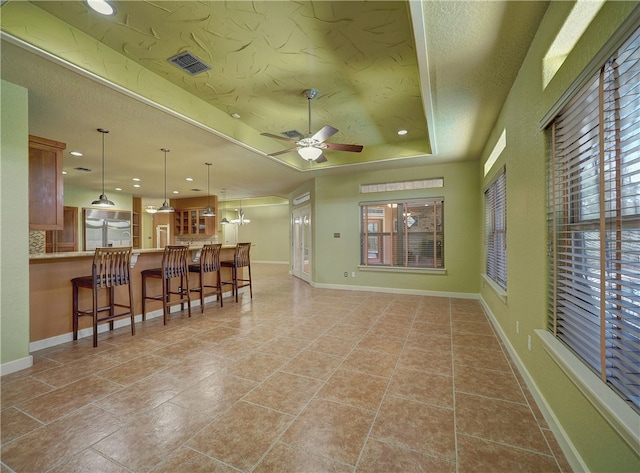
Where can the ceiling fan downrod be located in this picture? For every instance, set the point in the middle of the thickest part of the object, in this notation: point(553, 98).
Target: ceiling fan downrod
point(310, 94)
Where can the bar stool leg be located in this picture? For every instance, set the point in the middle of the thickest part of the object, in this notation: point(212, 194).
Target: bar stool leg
point(144, 297)
point(95, 317)
point(75, 311)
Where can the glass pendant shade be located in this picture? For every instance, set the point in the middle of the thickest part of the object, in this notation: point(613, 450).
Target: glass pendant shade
point(165, 207)
point(209, 211)
point(310, 153)
point(103, 201)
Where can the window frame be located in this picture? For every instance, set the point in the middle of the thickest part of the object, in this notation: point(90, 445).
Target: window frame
point(495, 201)
point(594, 279)
point(405, 247)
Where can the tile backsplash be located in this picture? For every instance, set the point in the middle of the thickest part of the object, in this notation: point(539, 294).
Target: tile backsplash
point(37, 242)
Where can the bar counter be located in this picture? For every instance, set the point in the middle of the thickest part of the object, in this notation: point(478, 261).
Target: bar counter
point(50, 294)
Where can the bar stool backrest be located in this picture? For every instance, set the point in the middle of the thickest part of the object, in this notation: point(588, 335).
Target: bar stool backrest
point(210, 258)
point(242, 254)
point(174, 261)
point(112, 267)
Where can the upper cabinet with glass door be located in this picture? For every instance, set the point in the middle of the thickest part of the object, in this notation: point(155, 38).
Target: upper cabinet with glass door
point(192, 222)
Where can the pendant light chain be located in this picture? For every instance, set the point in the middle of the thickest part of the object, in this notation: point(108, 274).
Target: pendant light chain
point(165, 208)
point(103, 201)
point(103, 133)
point(209, 211)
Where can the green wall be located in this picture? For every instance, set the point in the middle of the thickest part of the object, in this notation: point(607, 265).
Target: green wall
point(599, 446)
point(336, 210)
point(14, 226)
point(268, 232)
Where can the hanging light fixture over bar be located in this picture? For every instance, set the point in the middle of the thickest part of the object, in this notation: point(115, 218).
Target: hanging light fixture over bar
point(165, 207)
point(102, 201)
point(224, 220)
point(209, 212)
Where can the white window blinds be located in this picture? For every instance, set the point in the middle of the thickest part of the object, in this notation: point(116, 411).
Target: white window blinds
point(495, 201)
point(594, 222)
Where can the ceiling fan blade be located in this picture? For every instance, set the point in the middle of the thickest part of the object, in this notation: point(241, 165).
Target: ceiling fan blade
point(343, 147)
point(325, 133)
point(284, 151)
point(278, 137)
point(321, 159)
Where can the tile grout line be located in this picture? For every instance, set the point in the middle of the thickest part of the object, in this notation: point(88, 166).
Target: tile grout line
point(386, 390)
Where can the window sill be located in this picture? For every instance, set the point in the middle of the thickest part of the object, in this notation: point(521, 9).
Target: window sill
point(501, 293)
point(399, 269)
point(622, 418)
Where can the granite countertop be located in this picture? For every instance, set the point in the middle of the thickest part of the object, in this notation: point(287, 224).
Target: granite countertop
point(85, 254)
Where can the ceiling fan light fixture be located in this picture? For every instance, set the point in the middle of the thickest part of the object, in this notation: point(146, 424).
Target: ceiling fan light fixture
point(310, 153)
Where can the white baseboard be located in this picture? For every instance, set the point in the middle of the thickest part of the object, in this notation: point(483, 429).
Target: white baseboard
point(124, 322)
point(16, 365)
point(395, 290)
point(573, 457)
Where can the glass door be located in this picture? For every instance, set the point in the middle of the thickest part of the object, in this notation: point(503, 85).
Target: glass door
point(301, 239)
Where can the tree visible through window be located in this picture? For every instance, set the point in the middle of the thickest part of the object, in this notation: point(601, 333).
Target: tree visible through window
point(594, 223)
point(403, 233)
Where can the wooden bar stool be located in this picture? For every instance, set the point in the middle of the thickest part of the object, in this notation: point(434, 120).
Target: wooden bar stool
point(240, 260)
point(209, 263)
point(111, 268)
point(174, 265)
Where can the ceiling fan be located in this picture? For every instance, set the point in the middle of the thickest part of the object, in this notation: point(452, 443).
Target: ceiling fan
point(310, 147)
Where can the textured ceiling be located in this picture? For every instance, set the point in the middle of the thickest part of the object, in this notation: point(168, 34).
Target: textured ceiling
point(368, 59)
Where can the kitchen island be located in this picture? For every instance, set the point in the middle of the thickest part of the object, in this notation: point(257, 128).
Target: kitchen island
point(50, 301)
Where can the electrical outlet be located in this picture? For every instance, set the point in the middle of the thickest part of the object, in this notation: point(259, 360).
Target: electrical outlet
point(529, 342)
point(353, 274)
point(346, 274)
point(517, 326)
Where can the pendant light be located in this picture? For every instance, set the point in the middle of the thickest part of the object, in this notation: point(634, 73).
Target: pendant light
point(224, 220)
point(241, 220)
point(165, 207)
point(102, 200)
point(209, 212)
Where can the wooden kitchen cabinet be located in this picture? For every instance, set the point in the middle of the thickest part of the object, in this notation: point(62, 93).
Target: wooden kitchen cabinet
point(59, 241)
point(136, 228)
point(45, 184)
point(190, 222)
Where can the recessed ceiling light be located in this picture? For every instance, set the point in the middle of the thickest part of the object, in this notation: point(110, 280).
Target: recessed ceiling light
point(64, 173)
point(189, 179)
point(402, 132)
point(176, 192)
point(137, 179)
point(76, 153)
point(136, 185)
point(101, 6)
point(118, 188)
point(235, 115)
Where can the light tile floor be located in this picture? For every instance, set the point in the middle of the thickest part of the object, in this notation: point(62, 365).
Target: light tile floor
point(298, 379)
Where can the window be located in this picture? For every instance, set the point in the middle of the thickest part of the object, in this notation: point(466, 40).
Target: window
point(495, 211)
point(403, 234)
point(594, 223)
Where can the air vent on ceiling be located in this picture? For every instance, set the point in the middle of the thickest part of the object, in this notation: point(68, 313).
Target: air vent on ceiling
point(195, 189)
point(293, 134)
point(189, 62)
point(82, 169)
